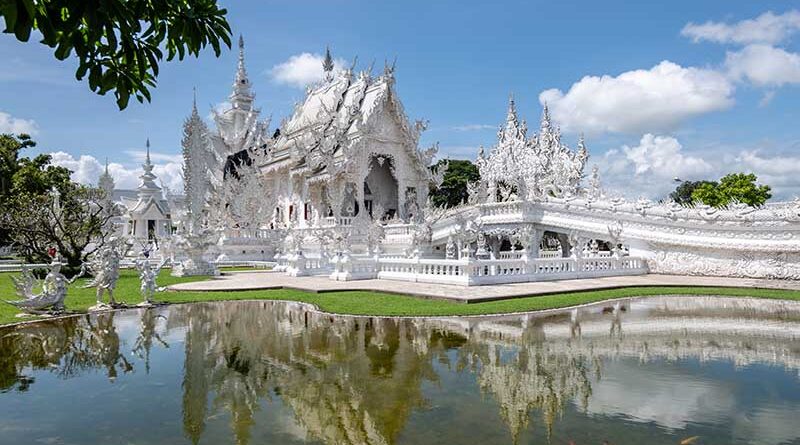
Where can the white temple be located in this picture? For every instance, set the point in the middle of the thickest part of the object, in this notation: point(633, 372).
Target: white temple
point(146, 212)
point(341, 187)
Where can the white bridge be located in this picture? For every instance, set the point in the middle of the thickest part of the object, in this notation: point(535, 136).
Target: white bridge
point(515, 241)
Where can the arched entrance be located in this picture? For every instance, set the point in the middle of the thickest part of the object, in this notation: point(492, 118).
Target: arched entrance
point(380, 187)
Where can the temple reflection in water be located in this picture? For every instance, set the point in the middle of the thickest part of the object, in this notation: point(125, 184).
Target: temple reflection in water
point(351, 380)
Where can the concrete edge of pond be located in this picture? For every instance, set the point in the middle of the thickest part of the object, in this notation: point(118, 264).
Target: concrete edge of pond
point(317, 309)
point(468, 294)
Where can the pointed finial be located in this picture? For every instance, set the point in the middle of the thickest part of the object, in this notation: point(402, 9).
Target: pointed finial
point(512, 109)
point(194, 100)
point(106, 164)
point(546, 124)
point(327, 64)
point(241, 97)
point(147, 144)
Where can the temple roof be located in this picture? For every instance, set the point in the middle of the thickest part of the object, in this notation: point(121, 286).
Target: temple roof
point(340, 108)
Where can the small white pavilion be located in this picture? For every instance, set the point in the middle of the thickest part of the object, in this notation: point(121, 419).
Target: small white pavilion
point(147, 215)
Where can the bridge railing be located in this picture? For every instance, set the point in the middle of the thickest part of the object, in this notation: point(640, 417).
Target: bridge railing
point(471, 271)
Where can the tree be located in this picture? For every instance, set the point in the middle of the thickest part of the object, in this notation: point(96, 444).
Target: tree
point(734, 187)
point(119, 43)
point(683, 193)
point(453, 190)
point(29, 216)
point(10, 147)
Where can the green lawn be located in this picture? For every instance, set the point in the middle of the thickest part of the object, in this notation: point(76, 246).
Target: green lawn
point(375, 303)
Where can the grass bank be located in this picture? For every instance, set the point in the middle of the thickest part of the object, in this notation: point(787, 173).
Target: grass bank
point(376, 303)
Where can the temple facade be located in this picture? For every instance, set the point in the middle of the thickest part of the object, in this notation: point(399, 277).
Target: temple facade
point(340, 188)
point(347, 152)
point(144, 213)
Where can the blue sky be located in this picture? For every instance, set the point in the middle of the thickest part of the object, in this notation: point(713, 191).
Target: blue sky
point(726, 100)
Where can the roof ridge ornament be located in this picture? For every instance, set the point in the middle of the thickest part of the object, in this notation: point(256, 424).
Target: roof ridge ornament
point(327, 64)
point(147, 156)
point(546, 121)
point(241, 97)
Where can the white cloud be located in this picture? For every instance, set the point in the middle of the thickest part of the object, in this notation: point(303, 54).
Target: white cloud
point(767, 28)
point(302, 70)
point(87, 169)
point(458, 152)
point(474, 127)
point(663, 156)
point(639, 101)
point(651, 166)
point(139, 156)
point(648, 169)
point(14, 125)
point(766, 99)
point(764, 65)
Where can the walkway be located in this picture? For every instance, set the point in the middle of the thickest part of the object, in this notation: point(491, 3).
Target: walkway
point(238, 281)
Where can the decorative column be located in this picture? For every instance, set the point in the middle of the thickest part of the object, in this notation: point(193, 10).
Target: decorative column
point(401, 199)
point(564, 241)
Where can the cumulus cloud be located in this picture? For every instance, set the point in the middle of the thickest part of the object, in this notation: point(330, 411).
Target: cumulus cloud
point(140, 155)
point(14, 125)
point(663, 156)
point(474, 127)
point(648, 169)
point(767, 28)
point(87, 169)
point(764, 65)
point(639, 101)
point(302, 70)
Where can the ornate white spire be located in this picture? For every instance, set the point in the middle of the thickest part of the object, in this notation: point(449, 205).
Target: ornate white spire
point(106, 182)
point(241, 97)
point(513, 129)
point(148, 186)
point(583, 152)
point(199, 166)
point(327, 65)
point(546, 123)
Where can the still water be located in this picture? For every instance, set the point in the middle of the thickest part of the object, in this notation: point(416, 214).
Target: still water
point(665, 370)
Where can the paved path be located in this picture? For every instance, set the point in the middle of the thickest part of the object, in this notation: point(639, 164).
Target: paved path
point(238, 281)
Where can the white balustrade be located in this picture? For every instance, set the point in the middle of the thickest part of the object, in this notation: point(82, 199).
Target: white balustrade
point(549, 254)
point(498, 271)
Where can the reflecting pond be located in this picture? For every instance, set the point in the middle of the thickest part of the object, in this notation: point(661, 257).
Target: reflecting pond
point(664, 370)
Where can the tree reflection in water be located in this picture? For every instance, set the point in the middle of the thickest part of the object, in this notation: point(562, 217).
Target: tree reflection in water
point(357, 380)
point(66, 348)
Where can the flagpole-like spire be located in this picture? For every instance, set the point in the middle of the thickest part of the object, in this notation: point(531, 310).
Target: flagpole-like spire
point(512, 108)
point(546, 123)
point(147, 158)
point(241, 97)
point(327, 64)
